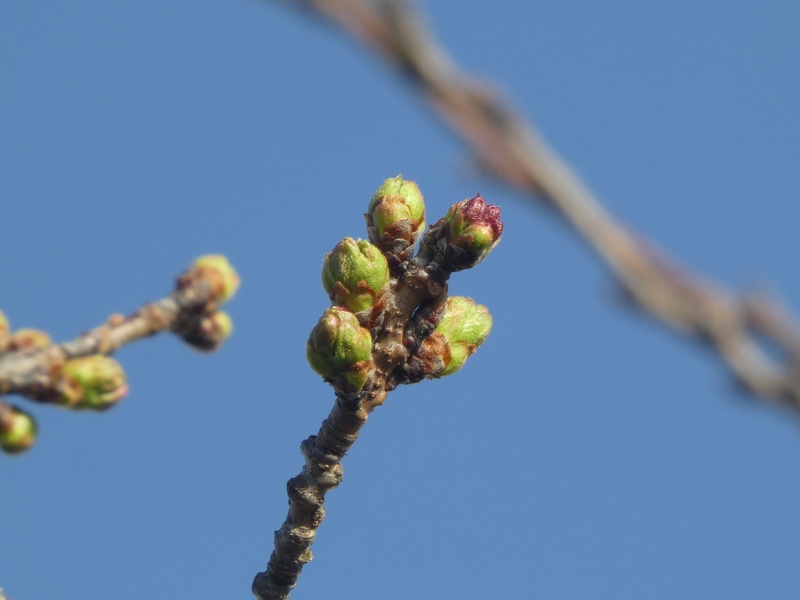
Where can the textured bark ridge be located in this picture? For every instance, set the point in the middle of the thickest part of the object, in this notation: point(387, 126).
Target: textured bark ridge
point(321, 472)
point(402, 316)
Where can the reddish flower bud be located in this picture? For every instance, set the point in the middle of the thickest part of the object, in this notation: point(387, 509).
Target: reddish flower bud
point(473, 230)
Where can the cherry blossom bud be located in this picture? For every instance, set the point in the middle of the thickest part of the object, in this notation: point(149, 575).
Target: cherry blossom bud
point(463, 328)
point(28, 339)
point(340, 349)
point(474, 228)
point(94, 382)
point(210, 332)
point(17, 430)
point(354, 273)
point(220, 275)
point(396, 217)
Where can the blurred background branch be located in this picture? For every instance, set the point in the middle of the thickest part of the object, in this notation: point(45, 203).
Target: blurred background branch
point(79, 374)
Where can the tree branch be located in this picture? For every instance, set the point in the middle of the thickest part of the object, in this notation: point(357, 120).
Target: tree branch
point(404, 314)
point(79, 374)
point(323, 452)
point(28, 372)
point(735, 326)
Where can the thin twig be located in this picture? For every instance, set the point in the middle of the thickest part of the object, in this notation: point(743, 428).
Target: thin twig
point(736, 327)
point(30, 372)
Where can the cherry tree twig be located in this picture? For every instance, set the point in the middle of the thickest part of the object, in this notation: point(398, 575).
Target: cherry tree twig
point(78, 374)
point(410, 329)
point(323, 452)
point(27, 372)
point(736, 326)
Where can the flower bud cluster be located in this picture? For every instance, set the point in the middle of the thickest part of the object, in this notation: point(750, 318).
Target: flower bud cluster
point(361, 278)
point(354, 274)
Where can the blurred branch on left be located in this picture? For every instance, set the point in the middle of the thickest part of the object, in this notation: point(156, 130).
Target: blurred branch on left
point(81, 374)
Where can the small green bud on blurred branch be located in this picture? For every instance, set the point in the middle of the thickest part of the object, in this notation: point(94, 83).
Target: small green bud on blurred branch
point(28, 339)
point(80, 374)
point(92, 382)
point(210, 332)
point(17, 429)
point(218, 274)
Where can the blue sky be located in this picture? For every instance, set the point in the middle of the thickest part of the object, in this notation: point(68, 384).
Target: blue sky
point(583, 452)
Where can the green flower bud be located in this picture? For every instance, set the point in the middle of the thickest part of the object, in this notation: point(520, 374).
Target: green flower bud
point(220, 275)
point(474, 228)
point(17, 430)
point(396, 212)
point(28, 339)
point(210, 331)
point(463, 328)
point(94, 382)
point(354, 273)
point(340, 349)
